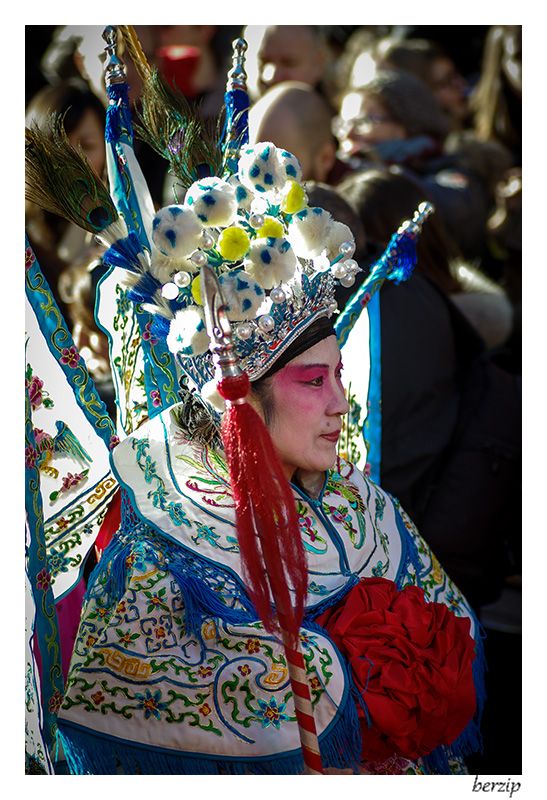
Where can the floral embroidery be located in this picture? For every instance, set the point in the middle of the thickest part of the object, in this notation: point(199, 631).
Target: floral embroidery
point(205, 672)
point(155, 396)
point(156, 600)
point(98, 698)
point(252, 646)
point(31, 457)
point(29, 258)
point(55, 702)
point(271, 713)
point(244, 669)
point(57, 562)
point(148, 336)
point(114, 440)
point(150, 703)
point(43, 579)
point(205, 709)
point(90, 641)
point(127, 637)
point(70, 357)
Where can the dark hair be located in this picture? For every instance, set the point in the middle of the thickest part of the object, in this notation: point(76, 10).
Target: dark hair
point(383, 199)
point(329, 198)
point(70, 98)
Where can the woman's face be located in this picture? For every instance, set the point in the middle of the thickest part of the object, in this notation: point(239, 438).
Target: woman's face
point(308, 401)
point(364, 122)
point(89, 134)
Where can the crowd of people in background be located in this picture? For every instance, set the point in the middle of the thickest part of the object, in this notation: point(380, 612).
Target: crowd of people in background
point(381, 118)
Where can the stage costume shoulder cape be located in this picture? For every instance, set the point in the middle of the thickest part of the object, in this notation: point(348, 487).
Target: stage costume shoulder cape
point(172, 671)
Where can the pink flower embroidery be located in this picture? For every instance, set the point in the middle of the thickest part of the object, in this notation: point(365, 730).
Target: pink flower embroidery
point(34, 387)
point(29, 258)
point(155, 397)
point(70, 356)
point(31, 457)
point(43, 579)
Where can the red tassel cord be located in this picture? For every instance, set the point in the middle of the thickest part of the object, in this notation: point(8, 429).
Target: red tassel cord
point(272, 553)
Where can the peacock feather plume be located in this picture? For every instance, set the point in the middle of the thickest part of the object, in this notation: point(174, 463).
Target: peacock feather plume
point(60, 179)
point(171, 125)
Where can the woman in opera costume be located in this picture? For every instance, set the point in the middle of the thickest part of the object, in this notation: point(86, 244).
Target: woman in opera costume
point(180, 664)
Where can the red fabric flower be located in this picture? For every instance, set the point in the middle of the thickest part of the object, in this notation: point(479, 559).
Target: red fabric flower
point(412, 662)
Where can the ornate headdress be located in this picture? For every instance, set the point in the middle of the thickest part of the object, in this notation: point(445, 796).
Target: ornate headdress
point(244, 213)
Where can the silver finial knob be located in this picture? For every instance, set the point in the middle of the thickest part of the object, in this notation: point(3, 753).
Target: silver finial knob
point(237, 77)
point(114, 69)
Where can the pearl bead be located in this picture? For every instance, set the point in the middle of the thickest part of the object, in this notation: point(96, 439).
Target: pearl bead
point(207, 240)
point(277, 295)
point(266, 323)
point(170, 291)
point(245, 330)
point(198, 258)
point(351, 265)
point(346, 248)
point(339, 271)
point(182, 279)
point(333, 308)
point(256, 221)
point(348, 280)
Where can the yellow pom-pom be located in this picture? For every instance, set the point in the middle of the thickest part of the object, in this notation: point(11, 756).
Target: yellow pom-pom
point(272, 227)
point(233, 243)
point(294, 198)
point(196, 290)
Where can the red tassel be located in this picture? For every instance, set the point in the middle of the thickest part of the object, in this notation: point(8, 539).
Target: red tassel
point(272, 553)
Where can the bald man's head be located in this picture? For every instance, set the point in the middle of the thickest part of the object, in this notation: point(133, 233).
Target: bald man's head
point(279, 53)
point(295, 117)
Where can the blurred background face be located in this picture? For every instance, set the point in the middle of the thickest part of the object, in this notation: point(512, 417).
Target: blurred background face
point(364, 122)
point(89, 134)
point(449, 88)
point(289, 53)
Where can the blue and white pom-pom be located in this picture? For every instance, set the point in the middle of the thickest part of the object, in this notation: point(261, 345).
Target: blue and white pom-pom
point(214, 202)
point(244, 197)
point(242, 295)
point(271, 262)
point(265, 168)
point(187, 332)
point(176, 231)
point(309, 231)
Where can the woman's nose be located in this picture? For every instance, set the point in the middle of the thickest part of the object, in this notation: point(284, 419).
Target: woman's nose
point(339, 404)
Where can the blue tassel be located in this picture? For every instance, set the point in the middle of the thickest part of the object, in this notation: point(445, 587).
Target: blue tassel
point(125, 253)
point(92, 753)
point(201, 603)
point(145, 289)
point(401, 257)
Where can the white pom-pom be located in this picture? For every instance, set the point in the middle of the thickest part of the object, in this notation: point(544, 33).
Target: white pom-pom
point(211, 395)
point(271, 262)
point(176, 231)
point(289, 166)
point(244, 197)
point(309, 231)
point(242, 294)
point(187, 332)
point(265, 168)
point(214, 202)
point(163, 268)
point(258, 166)
point(338, 234)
